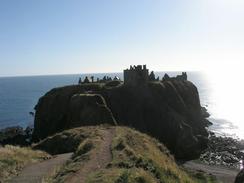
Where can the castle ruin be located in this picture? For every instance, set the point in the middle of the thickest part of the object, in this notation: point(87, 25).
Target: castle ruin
point(136, 75)
point(139, 75)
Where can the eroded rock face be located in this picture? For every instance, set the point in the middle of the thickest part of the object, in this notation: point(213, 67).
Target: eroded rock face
point(169, 111)
point(78, 110)
point(88, 109)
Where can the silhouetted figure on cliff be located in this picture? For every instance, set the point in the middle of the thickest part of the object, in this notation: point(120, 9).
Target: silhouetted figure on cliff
point(86, 80)
point(152, 76)
point(79, 82)
point(92, 79)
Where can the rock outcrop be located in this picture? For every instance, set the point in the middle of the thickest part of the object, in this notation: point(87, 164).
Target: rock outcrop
point(168, 110)
point(223, 151)
point(88, 109)
point(74, 111)
point(16, 136)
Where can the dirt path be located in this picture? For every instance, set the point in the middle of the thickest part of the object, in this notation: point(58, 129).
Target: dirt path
point(36, 172)
point(223, 174)
point(97, 160)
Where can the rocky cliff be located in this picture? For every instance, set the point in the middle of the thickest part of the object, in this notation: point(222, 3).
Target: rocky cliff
point(168, 110)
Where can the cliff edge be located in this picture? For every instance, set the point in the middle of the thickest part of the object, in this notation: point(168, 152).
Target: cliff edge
point(169, 110)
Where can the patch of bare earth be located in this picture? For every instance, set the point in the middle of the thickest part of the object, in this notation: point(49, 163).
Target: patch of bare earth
point(37, 172)
point(98, 159)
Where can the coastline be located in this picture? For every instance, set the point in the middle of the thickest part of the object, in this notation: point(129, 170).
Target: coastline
point(221, 150)
point(32, 88)
point(176, 98)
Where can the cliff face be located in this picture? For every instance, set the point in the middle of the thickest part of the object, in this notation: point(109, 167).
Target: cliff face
point(63, 108)
point(169, 111)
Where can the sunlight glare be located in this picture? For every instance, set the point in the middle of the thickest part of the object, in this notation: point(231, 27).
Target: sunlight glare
point(227, 92)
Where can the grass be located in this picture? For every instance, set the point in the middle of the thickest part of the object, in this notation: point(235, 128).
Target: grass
point(14, 158)
point(90, 142)
point(66, 141)
point(136, 158)
point(139, 158)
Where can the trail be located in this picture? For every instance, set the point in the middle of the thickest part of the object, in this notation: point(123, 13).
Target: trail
point(98, 160)
point(223, 174)
point(36, 172)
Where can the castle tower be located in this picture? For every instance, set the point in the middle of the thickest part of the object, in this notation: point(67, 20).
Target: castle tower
point(136, 75)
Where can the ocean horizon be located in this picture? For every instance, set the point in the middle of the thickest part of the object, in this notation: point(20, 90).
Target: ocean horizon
point(20, 94)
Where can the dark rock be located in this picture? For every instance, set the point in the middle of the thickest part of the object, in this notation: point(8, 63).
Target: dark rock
point(80, 110)
point(113, 83)
point(207, 122)
point(240, 177)
point(88, 109)
point(169, 111)
point(182, 77)
point(222, 151)
point(204, 112)
point(62, 142)
point(15, 136)
point(186, 143)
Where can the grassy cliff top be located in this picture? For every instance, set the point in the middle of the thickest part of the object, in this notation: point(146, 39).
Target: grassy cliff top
point(13, 159)
point(114, 155)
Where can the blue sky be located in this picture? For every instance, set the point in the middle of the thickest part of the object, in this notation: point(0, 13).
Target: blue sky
point(39, 37)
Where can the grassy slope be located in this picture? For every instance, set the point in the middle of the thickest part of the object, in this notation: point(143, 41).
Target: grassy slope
point(90, 140)
point(13, 159)
point(137, 158)
point(151, 159)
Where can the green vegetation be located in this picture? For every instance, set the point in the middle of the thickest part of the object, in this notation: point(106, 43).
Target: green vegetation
point(136, 158)
point(139, 158)
point(90, 140)
point(13, 159)
point(67, 141)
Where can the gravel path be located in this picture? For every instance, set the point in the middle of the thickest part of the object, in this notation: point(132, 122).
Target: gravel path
point(98, 160)
point(223, 174)
point(35, 173)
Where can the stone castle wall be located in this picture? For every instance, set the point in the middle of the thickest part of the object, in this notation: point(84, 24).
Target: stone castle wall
point(136, 75)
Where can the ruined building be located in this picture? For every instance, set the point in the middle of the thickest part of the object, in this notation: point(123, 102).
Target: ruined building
point(136, 75)
point(182, 77)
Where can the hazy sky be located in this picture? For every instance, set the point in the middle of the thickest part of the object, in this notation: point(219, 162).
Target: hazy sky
point(75, 36)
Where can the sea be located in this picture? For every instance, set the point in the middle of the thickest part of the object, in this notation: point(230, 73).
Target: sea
point(221, 95)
